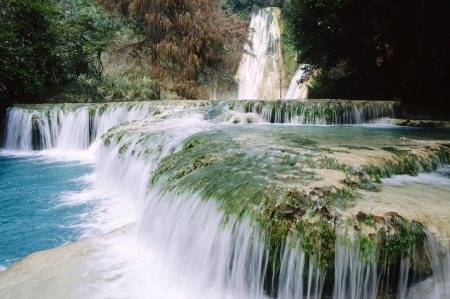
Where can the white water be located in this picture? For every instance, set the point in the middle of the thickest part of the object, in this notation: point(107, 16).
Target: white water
point(183, 250)
point(295, 91)
point(67, 129)
point(259, 72)
point(318, 112)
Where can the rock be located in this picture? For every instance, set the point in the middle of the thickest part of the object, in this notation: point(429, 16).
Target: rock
point(356, 228)
point(361, 216)
point(325, 213)
point(366, 177)
point(379, 219)
point(392, 215)
point(287, 213)
point(271, 212)
point(300, 196)
point(415, 223)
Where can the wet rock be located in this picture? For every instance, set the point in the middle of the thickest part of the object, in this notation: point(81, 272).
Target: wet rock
point(349, 183)
point(325, 213)
point(317, 200)
point(299, 195)
point(379, 219)
point(271, 212)
point(367, 178)
point(415, 224)
point(356, 228)
point(392, 215)
point(361, 216)
point(287, 213)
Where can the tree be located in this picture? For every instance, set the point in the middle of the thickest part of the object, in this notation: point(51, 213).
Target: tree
point(372, 49)
point(186, 44)
point(243, 8)
point(85, 35)
point(28, 40)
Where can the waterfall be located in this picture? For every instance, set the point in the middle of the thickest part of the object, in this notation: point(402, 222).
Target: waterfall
point(317, 112)
point(259, 72)
point(66, 127)
point(76, 127)
point(295, 91)
point(216, 255)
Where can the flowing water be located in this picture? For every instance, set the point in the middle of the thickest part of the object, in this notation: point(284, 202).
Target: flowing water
point(161, 199)
point(296, 91)
point(143, 237)
point(259, 75)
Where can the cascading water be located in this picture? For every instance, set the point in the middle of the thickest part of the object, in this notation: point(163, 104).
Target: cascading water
point(319, 112)
point(259, 73)
point(69, 127)
point(189, 246)
point(295, 91)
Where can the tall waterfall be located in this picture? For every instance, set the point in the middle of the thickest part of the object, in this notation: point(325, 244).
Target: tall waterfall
point(260, 74)
point(213, 256)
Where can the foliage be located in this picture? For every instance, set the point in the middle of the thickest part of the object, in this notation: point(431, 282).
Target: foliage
point(374, 50)
point(187, 42)
point(52, 49)
point(85, 35)
point(243, 8)
point(28, 41)
point(86, 88)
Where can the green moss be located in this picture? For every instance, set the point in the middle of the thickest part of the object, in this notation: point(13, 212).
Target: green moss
point(357, 147)
point(124, 148)
point(396, 151)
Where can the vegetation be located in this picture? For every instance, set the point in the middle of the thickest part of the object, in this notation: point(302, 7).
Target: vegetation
point(56, 52)
point(243, 8)
point(28, 47)
point(372, 50)
point(191, 44)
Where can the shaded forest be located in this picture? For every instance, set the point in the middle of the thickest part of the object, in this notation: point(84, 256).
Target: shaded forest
point(375, 49)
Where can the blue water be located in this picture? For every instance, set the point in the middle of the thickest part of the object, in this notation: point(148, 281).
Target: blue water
point(33, 213)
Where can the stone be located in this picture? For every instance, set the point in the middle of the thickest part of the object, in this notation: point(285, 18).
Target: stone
point(379, 219)
point(361, 216)
point(325, 213)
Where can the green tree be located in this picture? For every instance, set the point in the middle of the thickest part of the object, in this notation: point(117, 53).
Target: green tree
point(372, 49)
point(243, 8)
point(85, 36)
point(28, 40)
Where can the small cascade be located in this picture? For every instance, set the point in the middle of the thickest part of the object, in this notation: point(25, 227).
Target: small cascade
point(316, 112)
point(67, 127)
point(356, 274)
point(296, 92)
point(292, 281)
point(259, 75)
